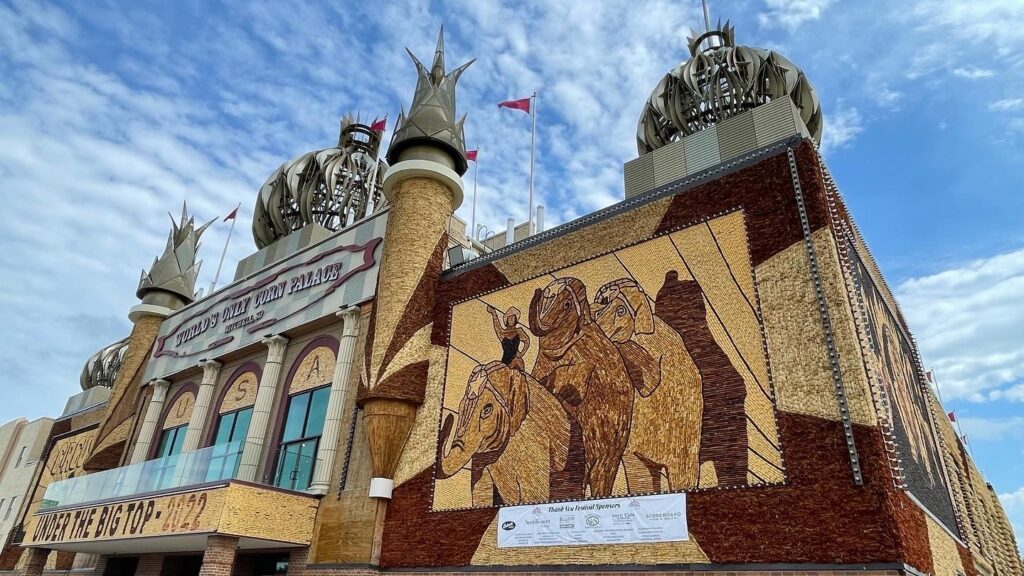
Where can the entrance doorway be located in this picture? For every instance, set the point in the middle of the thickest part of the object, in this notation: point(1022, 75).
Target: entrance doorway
point(181, 565)
point(121, 566)
point(269, 564)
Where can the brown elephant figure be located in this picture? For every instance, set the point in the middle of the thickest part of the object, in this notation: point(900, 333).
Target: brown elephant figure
point(583, 369)
point(516, 428)
point(667, 413)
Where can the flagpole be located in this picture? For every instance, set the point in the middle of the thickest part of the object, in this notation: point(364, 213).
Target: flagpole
point(476, 168)
point(533, 146)
point(213, 285)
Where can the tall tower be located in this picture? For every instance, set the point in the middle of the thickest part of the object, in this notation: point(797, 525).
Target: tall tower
point(167, 287)
point(423, 187)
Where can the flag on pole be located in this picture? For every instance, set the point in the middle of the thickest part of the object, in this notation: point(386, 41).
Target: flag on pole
point(528, 105)
point(380, 125)
point(471, 155)
point(951, 416)
point(521, 104)
point(233, 216)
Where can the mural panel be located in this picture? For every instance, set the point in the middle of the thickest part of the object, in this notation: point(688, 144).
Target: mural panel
point(897, 376)
point(639, 371)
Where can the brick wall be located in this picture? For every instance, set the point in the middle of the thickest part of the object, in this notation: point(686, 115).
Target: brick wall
point(219, 558)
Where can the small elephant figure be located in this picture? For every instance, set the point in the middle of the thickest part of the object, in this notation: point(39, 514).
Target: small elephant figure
point(515, 427)
point(666, 429)
point(581, 366)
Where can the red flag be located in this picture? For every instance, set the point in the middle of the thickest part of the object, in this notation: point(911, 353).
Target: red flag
point(521, 104)
point(231, 216)
point(951, 416)
point(929, 376)
point(379, 125)
point(471, 155)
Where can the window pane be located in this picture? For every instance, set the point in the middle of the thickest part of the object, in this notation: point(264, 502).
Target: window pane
point(241, 425)
point(317, 412)
point(227, 421)
point(287, 471)
point(304, 474)
point(179, 439)
point(296, 416)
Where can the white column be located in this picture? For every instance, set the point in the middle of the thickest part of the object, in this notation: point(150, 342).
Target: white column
point(194, 433)
point(265, 396)
point(328, 447)
point(156, 407)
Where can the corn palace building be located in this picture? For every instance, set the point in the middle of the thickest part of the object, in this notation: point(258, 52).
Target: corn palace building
point(711, 375)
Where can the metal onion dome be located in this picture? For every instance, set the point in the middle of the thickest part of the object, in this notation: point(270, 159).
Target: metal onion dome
point(101, 368)
point(719, 81)
point(329, 187)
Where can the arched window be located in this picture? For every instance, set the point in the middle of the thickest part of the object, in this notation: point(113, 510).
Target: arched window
point(172, 437)
point(309, 387)
point(232, 423)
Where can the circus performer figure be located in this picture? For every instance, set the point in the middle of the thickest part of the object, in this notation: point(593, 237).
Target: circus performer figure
point(514, 340)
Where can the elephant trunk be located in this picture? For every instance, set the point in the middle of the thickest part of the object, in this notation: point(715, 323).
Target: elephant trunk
point(457, 456)
point(536, 322)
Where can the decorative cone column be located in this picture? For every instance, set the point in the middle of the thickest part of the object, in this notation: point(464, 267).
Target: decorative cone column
point(423, 187)
point(166, 288)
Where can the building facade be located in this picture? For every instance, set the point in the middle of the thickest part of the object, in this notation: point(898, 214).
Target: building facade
point(21, 443)
point(711, 375)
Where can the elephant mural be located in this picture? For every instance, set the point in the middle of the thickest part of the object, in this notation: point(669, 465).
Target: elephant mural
point(585, 371)
point(664, 375)
point(508, 423)
point(657, 383)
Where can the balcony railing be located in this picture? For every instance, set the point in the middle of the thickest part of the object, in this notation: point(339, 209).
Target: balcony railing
point(219, 462)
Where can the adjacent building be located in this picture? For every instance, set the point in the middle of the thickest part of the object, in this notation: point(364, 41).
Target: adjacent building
point(711, 375)
point(21, 443)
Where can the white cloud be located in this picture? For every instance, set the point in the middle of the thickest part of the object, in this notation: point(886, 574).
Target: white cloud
point(842, 126)
point(791, 14)
point(973, 72)
point(969, 321)
point(992, 429)
point(1007, 105)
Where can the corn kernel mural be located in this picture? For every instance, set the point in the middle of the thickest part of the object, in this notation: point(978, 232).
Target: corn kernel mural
point(639, 371)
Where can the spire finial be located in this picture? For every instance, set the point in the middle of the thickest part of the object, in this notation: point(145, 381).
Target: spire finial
point(437, 70)
point(432, 121)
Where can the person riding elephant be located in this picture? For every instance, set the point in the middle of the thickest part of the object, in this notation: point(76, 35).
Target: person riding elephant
point(583, 369)
point(666, 428)
point(513, 430)
point(514, 340)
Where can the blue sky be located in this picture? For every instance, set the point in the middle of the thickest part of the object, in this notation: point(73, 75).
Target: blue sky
point(111, 115)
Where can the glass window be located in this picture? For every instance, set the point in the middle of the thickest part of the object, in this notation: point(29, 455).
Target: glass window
point(21, 456)
point(304, 423)
point(162, 470)
point(9, 506)
point(228, 442)
point(296, 419)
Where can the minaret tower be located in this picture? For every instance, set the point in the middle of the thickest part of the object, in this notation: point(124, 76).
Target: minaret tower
point(167, 287)
point(423, 187)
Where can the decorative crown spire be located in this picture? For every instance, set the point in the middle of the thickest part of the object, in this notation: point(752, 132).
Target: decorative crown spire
point(176, 270)
point(431, 119)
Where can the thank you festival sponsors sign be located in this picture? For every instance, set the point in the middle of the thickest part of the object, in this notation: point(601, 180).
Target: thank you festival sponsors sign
point(641, 519)
point(316, 282)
